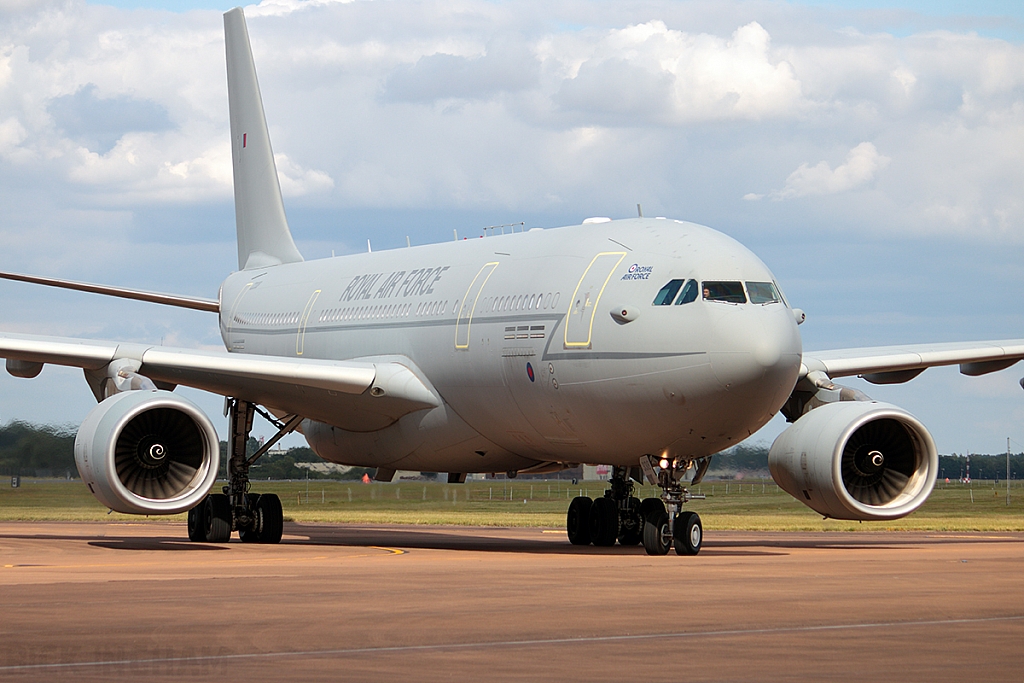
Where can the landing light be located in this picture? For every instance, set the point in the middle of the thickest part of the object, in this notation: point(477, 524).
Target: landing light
point(663, 464)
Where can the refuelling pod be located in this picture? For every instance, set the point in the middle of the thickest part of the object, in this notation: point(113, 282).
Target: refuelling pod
point(856, 460)
point(147, 453)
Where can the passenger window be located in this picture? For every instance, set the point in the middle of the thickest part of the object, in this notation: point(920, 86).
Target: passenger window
point(729, 292)
point(668, 293)
point(688, 294)
point(762, 293)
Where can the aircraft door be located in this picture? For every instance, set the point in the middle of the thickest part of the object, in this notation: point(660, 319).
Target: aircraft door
point(300, 337)
point(579, 321)
point(468, 305)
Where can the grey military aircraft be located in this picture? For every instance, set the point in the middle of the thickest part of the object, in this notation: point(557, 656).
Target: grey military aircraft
point(644, 344)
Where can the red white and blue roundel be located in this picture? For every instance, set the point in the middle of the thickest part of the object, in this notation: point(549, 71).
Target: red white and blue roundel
point(529, 372)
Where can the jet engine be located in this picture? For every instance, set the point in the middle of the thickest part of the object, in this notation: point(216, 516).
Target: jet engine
point(856, 460)
point(147, 452)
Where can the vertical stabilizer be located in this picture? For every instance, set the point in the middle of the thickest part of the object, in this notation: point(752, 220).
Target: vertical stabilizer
point(263, 235)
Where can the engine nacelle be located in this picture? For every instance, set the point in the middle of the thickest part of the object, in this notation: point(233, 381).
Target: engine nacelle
point(147, 453)
point(856, 460)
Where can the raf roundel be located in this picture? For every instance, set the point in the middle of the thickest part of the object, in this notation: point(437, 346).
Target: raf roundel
point(529, 372)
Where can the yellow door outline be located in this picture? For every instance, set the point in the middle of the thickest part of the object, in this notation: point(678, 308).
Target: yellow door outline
point(230, 322)
point(593, 307)
point(300, 337)
point(467, 308)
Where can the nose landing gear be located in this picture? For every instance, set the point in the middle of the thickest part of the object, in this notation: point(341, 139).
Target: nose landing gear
point(665, 523)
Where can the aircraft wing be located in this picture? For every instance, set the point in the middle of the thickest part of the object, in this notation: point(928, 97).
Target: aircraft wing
point(193, 302)
point(362, 396)
point(895, 364)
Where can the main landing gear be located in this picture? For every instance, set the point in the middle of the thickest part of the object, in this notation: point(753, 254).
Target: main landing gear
point(257, 518)
point(615, 517)
point(660, 523)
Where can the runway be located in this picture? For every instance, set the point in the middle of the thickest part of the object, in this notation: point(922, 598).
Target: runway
point(346, 602)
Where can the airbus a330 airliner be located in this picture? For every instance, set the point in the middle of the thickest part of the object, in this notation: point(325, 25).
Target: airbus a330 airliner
point(645, 344)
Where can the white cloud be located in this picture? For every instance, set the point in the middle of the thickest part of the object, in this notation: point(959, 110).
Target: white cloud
point(12, 134)
point(862, 164)
point(297, 181)
point(277, 8)
point(653, 72)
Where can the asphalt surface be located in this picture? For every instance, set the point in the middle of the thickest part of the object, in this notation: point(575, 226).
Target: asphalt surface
point(109, 602)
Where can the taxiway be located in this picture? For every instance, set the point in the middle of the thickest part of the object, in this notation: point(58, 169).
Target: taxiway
point(346, 602)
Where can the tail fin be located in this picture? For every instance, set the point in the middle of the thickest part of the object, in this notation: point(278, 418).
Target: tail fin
point(263, 235)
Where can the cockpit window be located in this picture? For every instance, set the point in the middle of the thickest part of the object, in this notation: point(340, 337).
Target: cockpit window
point(667, 293)
point(689, 293)
point(782, 295)
point(729, 292)
point(762, 292)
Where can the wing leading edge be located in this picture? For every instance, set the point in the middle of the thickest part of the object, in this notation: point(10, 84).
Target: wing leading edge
point(896, 364)
point(361, 396)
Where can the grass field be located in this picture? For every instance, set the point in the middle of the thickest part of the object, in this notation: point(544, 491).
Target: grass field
point(750, 505)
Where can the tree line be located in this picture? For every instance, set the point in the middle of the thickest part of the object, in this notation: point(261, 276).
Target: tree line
point(30, 450)
point(49, 451)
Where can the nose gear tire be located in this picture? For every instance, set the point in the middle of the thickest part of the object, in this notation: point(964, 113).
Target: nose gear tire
point(656, 533)
point(689, 534)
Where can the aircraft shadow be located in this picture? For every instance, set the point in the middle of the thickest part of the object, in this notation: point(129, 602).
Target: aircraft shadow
point(484, 540)
point(432, 538)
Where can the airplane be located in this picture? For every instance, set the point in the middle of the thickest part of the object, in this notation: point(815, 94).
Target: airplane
point(647, 344)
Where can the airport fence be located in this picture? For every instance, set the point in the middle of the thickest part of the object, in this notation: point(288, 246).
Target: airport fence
point(325, 492)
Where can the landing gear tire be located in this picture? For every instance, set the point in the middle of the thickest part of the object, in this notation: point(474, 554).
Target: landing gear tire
point(631, 524)
point(217, 514)
point(689, 534)
point(269, 518)
point(197, 523)
point(577, 520)
point(651, 506)
point(252, 534)
point(656, 541)
point(604, 522)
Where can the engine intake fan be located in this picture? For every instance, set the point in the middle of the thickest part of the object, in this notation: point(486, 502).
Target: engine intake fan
point(856, 460)
point(147, 452)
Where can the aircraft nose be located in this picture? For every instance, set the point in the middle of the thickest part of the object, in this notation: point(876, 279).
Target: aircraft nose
point(768, 351)
point(756, 351)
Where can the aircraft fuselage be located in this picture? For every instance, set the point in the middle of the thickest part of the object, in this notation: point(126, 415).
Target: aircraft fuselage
point(544, 346)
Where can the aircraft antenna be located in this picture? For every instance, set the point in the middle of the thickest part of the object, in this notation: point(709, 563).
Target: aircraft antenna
point(639, 211)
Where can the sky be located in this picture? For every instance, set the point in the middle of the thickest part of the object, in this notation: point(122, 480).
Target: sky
point(869, 152)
